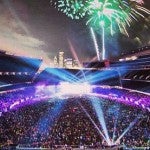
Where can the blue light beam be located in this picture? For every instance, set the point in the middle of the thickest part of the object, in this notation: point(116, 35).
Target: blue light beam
point(100, 132)
point(47, 121)
point(98, 109)
point(128, 128)
point(100, 76)
point(63, 74)
point(116, 115)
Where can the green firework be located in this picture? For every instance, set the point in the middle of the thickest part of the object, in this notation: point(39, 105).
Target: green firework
point(74, 9)
point(109, 13)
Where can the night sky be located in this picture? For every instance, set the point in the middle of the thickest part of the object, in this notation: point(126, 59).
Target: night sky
point(35, 28)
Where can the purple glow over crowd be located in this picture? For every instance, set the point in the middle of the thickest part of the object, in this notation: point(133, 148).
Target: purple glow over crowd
point(42, 92)
point(46, 121)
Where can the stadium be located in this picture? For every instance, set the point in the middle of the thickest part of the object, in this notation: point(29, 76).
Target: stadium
point(96, 107)
point(75, 75)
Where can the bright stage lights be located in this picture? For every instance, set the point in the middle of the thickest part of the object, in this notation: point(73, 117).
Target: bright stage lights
point(39, 88)
point(66, 88)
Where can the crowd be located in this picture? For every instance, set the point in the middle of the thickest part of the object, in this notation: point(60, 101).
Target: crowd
point(74, 121)
point(8, 99)
point(127, 96)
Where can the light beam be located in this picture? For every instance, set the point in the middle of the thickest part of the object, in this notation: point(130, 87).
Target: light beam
point(98, 109)
point(128, 128)
point(95, 43)
point(92, 121)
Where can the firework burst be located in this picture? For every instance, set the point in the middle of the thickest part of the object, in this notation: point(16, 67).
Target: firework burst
point(74, 9)
point(111, 12)
point(104, 14)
